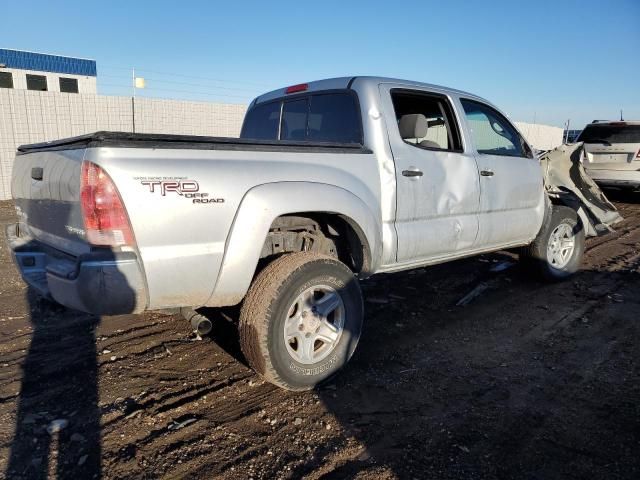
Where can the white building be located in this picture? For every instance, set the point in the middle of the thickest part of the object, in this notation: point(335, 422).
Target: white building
point(22, 70)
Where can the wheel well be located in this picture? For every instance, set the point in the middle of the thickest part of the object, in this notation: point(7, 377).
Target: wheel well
point(570, 199)
point(328, 233)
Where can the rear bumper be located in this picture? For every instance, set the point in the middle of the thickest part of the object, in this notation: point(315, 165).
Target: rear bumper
point(615, 178)
point(101, 282)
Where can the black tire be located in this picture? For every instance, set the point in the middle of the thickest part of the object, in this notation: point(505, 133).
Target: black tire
point(536, 256)
point(268, 304)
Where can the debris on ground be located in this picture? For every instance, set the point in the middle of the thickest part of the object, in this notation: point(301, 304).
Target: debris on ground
point(178, 425)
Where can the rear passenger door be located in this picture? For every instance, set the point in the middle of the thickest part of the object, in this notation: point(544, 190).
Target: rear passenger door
point(437, 185)
point(511, 186)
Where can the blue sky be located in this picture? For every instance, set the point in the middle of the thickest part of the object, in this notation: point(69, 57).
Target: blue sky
point(542, 60)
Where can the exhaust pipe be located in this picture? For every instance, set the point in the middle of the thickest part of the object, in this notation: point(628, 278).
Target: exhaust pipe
point(200, 324)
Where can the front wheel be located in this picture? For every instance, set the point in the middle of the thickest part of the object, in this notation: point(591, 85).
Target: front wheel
point(557, 251)
point(301, 320)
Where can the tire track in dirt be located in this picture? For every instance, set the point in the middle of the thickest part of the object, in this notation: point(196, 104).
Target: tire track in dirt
point(167, 402)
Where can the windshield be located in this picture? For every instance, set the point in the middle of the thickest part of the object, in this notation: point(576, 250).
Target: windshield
point(610, 133)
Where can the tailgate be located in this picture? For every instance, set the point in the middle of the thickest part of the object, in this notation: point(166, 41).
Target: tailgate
point(46, 189)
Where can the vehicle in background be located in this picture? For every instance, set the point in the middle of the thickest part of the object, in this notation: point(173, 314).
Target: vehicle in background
point(611, 153)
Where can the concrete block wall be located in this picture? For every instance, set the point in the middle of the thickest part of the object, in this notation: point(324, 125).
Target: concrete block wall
point(29, 117)
point(542, 137)
point(156, 115)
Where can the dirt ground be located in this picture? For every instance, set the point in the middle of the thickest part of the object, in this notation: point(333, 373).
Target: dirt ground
point(527, 381)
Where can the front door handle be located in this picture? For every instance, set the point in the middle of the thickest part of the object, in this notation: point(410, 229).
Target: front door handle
point(412, 173)
point(486, 173)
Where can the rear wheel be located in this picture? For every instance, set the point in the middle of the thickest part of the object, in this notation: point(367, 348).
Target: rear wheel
point(301, 320)
point(556, 252)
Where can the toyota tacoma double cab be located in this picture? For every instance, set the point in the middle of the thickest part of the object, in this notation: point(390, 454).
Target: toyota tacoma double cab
point(330, 182)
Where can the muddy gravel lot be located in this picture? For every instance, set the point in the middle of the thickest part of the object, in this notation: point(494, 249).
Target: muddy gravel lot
point(526, 381)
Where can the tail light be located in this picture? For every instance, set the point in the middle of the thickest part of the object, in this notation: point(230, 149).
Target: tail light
point(105, 219)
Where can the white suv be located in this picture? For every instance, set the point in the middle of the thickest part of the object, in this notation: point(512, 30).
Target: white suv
point(612, 153)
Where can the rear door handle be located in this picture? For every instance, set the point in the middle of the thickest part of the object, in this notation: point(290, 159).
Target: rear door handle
point(486, 173)
point(412, 172)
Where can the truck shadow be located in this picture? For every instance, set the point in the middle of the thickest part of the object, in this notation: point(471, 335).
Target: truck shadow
point(58, 420)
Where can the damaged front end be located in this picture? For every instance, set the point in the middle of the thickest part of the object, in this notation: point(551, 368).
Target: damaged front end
point(567, 182)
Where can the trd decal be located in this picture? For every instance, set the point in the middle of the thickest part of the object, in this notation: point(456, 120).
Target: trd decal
point(178, 186)
point(181, 187)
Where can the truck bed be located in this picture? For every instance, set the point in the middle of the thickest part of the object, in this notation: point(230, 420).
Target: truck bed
point(155, 140)
point(174, 230)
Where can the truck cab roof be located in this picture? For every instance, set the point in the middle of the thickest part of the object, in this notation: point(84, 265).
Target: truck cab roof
point(347, 82)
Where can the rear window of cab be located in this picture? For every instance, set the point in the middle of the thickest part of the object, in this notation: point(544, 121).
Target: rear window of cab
point(322, 117)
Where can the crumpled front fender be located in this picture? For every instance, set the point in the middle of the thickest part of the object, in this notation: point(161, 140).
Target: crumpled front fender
point(566, 181)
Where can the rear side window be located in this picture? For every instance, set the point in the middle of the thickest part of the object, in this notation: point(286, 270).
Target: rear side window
point(323, 117)
point(610, 133)
point(492, 132)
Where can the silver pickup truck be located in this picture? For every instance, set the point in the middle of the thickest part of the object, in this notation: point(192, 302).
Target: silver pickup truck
point(331, 182)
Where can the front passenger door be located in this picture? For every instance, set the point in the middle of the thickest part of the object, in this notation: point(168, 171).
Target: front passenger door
point(511, 186)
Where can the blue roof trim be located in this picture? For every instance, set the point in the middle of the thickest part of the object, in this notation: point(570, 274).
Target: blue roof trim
point(47, 63)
